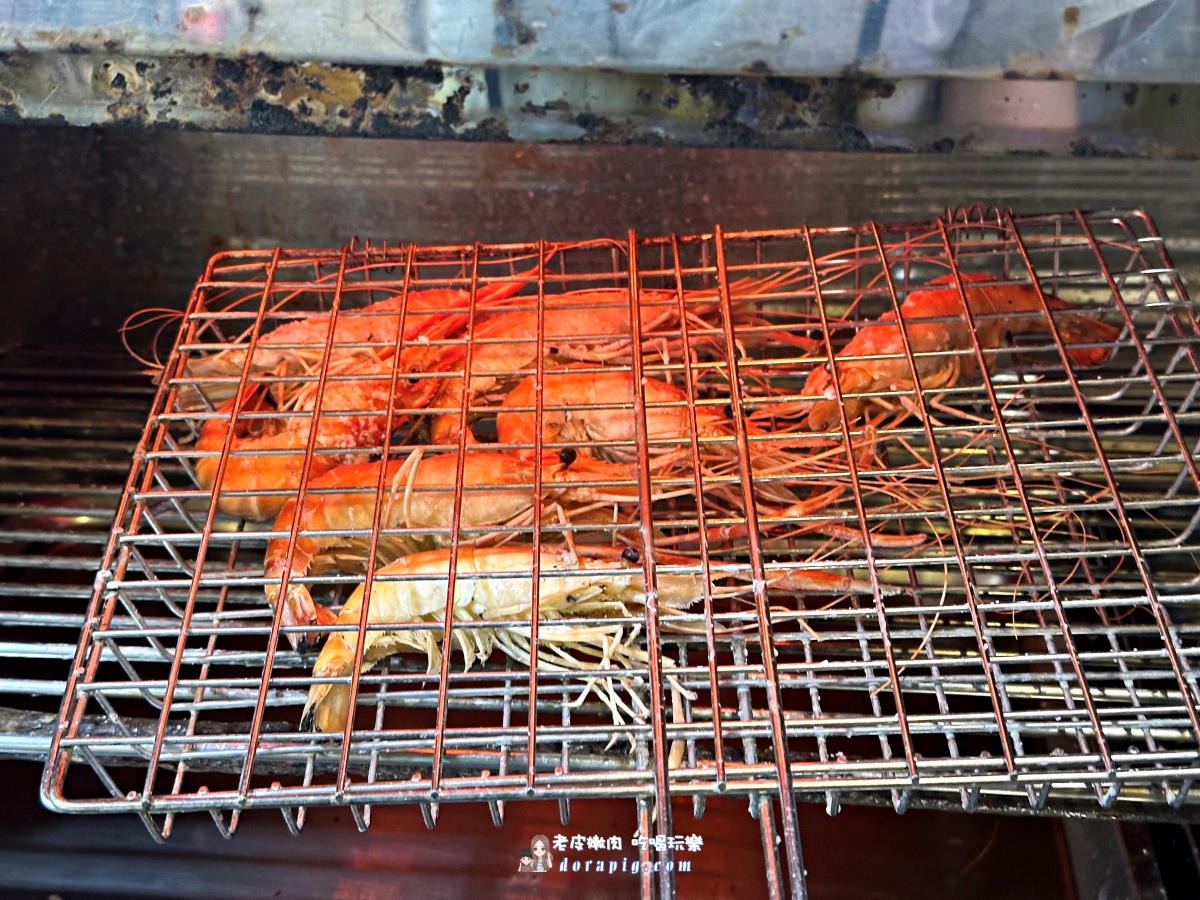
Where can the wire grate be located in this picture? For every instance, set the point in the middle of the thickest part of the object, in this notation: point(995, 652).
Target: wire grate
point(978, 586)
point(65, 445)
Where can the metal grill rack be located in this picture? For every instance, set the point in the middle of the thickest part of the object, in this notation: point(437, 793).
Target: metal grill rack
point(1015, 616)
point(69, 424)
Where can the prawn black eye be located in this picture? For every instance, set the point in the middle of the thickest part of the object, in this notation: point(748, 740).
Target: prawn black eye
point(567, 455)
point(553, 351)
point(630, 555)
point(729, 410)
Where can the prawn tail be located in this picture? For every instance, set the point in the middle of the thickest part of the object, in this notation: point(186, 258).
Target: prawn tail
point(300, 610)
point(327, 708)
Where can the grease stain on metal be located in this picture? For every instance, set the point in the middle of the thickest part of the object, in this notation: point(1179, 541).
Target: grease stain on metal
point(432, 101)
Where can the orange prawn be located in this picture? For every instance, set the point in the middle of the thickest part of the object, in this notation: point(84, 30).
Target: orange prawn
point(299, 345)
point(592, 410)
point(584, 326)
point(934, 322)
point(266, 455)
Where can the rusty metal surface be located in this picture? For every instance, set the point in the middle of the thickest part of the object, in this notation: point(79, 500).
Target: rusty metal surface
point(429, 101)
point(451, 102)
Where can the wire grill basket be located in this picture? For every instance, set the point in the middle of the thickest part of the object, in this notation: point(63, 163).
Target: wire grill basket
point(984, 586)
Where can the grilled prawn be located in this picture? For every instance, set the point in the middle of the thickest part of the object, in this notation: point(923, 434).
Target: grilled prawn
point(266, 455)
point(299, 345)
point(593, 409)
point(934, 321)
point(494, 584)
point(588, 326)
point(419, 494)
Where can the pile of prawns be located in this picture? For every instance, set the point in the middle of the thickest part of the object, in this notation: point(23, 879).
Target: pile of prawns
point(375, 382)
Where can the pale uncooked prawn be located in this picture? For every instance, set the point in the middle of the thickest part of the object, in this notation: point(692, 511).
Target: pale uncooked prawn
point(418, 493)
point(494, 584)
point(934, 321)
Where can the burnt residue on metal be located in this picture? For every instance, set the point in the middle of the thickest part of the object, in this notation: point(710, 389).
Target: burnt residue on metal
point(491, 129)
point(452, 108)
point(379, 80)
point(418, 126)
point(757, 112)
point(799, 90)
point(716, 92)
point(1086, 147)
point(263, 95)
point(273, 118)
point(603, 130)
point(543, 109)
point(227, 77)
point(869, 86)
point(753, 109)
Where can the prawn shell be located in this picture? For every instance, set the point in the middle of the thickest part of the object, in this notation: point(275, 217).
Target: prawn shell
point(584, 406)
point(491, 584)
point(875, 361)
point(352, 421)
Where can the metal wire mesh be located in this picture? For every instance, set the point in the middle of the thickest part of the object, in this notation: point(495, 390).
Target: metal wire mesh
point(68, 424)
point(985, 585)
